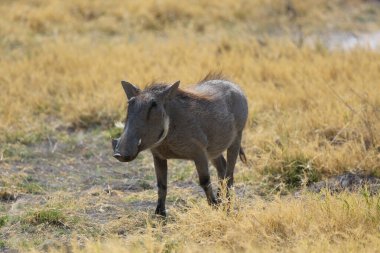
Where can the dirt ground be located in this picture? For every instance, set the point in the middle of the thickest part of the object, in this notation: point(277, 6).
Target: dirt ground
point(95, 195)
point(77, 173)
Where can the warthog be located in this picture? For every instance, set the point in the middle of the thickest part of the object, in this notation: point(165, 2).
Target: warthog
point(196, 124)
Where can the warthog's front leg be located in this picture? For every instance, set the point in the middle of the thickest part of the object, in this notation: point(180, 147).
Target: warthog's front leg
point(201, 163)
point(161, 167)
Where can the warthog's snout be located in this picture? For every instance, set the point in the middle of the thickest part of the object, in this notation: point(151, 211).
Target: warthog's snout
point(118, 155)
point(123, 158)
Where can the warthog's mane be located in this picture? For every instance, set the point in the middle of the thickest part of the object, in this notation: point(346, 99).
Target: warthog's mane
point(155, 87)
point(213, 76)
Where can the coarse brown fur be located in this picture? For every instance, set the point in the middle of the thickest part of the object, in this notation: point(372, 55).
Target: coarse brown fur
point(181, 93)
point(213, 76)
point(196, 124)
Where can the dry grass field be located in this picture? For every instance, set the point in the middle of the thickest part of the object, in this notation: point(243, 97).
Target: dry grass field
point(314, 114)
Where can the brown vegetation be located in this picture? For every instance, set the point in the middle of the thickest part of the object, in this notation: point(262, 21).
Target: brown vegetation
point(314, 113)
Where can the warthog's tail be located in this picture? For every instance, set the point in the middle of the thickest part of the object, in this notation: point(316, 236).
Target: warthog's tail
point(242, 156)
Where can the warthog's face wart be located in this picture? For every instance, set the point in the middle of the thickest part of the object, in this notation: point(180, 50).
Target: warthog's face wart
point(147, 122)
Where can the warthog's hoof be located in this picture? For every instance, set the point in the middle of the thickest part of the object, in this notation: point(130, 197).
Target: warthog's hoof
point(161, 212)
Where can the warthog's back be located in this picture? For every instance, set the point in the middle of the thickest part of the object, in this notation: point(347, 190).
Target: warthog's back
point(221, 114)
point(230, 95)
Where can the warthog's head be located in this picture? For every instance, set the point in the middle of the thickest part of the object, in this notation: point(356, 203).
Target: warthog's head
point(147, 122)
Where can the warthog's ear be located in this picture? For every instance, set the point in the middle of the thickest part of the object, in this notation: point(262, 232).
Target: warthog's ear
point(171, 90)
point(130, 90)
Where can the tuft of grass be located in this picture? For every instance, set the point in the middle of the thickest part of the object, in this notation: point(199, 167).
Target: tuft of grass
point(95, 119)
point(298, 171)
point(2, 244)
point(50, 216)
point(115, 132)
point(3, 220)
point(30, 185)
point(15, 151)
point(144, 184)
point(291, 173)
point(32, 188)
point(7, 196)
point(25, 138)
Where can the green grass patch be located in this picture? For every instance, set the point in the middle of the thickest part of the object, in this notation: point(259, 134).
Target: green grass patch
point(30, 185)
point(115, 132)
point(51, 216)
point(292, 173)
point(32, 188)
point(94, 119)
point(88, 154)
point(3, 220)
point(25, 137)
point(376, 171)
point(183, 173)
point(12, 151)
point(2, 244)
point(144, 184)
point(299, 171)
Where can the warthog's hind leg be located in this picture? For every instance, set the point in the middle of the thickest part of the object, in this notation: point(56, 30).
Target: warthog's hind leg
point(220, 165)
point(232, 154)
point(201, 163)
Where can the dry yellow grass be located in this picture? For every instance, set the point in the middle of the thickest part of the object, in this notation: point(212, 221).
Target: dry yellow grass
point(61, 63)
point(313, 223)
point(318, 104)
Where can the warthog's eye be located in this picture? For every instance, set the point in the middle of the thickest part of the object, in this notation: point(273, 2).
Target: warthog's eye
point(154, 104)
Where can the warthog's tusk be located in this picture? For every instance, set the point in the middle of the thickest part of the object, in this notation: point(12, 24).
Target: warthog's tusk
point(139, 142)
point(166, 130)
